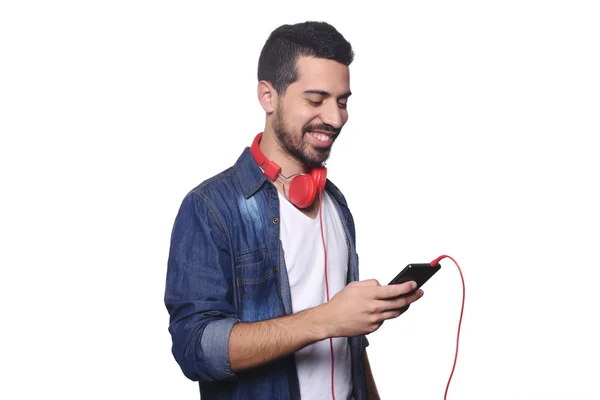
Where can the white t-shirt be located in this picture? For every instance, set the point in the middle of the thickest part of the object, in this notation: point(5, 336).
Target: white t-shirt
point(304, 258)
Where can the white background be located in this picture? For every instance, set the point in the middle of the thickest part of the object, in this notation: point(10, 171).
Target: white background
point(471, 133)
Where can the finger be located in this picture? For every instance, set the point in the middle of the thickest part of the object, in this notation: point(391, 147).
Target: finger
point(392, 314)
point(367, 282)
point(392, 291)
point(400, 302)
point(376, 326)
point(412, 297)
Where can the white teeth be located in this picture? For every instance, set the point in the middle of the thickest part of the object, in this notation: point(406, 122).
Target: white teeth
point(321, 137)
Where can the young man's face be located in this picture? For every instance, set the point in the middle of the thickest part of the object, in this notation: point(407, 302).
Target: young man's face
point(312, 111)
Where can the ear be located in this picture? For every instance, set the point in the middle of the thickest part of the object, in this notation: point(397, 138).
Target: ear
point(267, 96)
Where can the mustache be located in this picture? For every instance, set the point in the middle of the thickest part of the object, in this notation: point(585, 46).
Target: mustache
point(322, 127)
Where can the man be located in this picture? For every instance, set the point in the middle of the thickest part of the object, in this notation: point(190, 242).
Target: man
point(262, 286)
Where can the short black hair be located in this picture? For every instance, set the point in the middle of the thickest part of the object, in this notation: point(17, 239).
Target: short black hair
point(277, 61)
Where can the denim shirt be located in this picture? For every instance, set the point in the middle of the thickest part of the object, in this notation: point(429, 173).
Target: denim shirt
point(226, 265)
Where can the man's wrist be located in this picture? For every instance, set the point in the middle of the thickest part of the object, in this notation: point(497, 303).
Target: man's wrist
point(320, 323)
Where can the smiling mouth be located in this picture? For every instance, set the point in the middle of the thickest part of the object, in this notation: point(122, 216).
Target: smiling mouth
point(322, 137)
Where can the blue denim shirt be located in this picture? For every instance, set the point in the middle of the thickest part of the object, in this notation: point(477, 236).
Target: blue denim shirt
point(226, 265)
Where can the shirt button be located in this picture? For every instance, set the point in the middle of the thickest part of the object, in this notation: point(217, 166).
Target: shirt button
point(275, 220)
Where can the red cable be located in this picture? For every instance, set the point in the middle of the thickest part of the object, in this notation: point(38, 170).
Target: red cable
point(434, 262)
point(326, 289)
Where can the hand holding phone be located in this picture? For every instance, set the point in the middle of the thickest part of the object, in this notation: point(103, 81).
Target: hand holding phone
point(420, 273)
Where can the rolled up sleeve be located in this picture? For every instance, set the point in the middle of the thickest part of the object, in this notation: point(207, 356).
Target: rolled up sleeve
point(215, 346)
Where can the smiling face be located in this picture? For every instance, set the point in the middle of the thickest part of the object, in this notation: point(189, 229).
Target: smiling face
point(310, 115)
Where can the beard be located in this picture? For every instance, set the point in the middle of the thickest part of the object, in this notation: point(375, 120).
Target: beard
point(294, 145)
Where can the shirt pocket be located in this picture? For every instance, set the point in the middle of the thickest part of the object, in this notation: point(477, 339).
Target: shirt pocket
point(256, 282)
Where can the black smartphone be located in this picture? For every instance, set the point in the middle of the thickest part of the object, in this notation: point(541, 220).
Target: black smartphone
point(420, 273)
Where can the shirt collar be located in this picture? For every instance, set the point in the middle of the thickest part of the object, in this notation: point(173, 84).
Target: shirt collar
point(249, 173)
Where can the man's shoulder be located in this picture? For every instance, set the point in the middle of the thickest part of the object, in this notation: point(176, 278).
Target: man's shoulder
point(242, 179)
point(226, 181)
point(216, 183)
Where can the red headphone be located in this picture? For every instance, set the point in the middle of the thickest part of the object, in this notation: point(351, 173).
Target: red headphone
point(303, 188)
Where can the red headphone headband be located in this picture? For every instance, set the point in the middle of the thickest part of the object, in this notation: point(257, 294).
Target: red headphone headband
point(270, 168)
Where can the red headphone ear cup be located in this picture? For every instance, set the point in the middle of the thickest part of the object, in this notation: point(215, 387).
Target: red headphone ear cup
point(319, 175)
point(302, 191)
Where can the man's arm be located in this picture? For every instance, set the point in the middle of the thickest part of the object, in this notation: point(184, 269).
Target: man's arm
point(358, 309)
point(209, 341)
point(198, 291)
point(371, 386)
point(253, 344)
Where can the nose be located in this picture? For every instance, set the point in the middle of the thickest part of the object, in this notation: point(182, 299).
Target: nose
point(333, 115)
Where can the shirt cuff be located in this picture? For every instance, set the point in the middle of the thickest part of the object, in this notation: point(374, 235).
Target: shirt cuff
point(215, 348)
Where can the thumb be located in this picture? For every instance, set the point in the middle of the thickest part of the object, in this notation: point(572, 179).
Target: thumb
point(367, 282)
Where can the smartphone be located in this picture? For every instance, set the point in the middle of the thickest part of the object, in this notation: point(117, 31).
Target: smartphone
point(420, 273)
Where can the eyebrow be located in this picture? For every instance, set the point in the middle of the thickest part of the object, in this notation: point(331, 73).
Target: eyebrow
point(324, 93)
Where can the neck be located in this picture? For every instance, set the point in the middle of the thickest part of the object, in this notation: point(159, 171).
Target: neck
point(274, 152)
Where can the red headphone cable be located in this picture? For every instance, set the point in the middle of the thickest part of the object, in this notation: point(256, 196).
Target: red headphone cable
point(462, 307)
point(326, 288)
point(433, 263)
